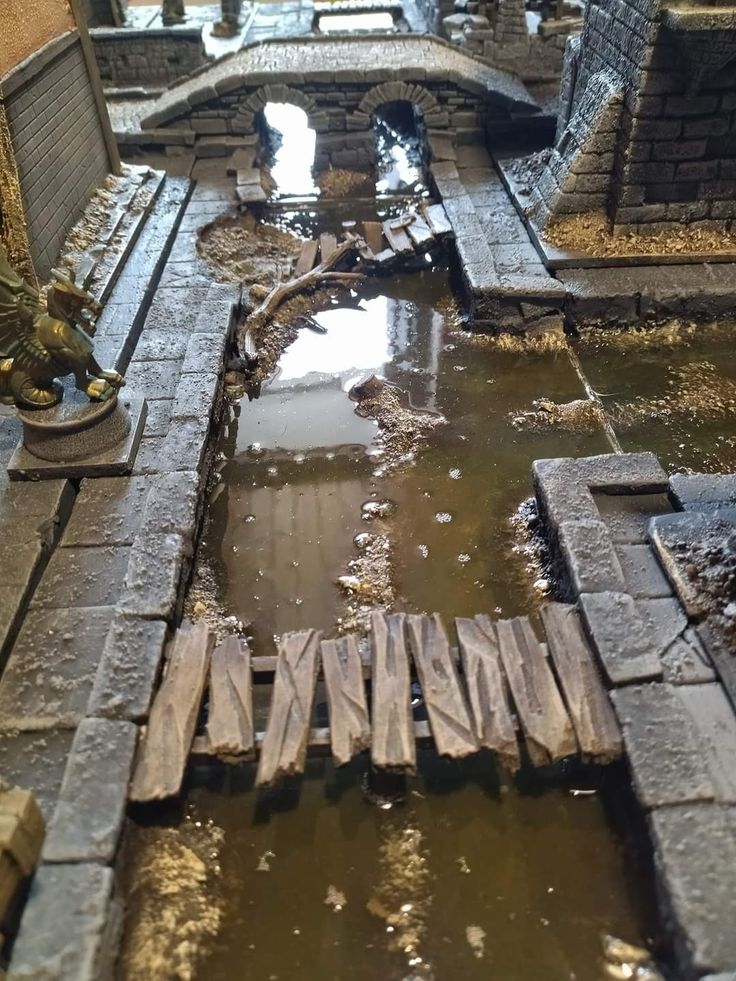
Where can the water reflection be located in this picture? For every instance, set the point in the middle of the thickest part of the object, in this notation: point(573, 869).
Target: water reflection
point(355, 23)
point(291, 150)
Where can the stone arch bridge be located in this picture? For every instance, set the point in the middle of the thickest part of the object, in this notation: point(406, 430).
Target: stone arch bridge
point(340, 83)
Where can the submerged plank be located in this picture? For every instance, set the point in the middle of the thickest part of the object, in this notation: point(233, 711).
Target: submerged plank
point(591, 712)
point(449, 717)
point(327, 245)
point(494, 726)
point(307, 258)
point(165, 746)
point(437, 220)
point(397, 238)
point(230, 723)
point(392, 740)
point(284, 747)
point(373, 235)
point(420, 234)
point(350, 730)
point(542, 714)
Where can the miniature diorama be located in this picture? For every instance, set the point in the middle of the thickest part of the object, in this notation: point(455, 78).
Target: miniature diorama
point(368, 490)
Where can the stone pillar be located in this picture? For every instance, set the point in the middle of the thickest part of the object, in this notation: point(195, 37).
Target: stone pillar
point(509, 23)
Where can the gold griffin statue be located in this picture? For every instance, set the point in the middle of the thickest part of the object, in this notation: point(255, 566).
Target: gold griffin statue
point(38, 345)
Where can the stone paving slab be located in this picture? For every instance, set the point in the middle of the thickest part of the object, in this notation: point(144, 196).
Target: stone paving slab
point(644, 577)
point(591, 561)
point(36, 761)
point(49, 675)
point(128, 670)
point(89, 814)
point(70, 927)
point(108, 511)
point(151, 587)
point(628, 515)
point(700, 763)
point(82, 577)
point(686, 661)
point(695, 856)
point(626, 643)
point(691, 491)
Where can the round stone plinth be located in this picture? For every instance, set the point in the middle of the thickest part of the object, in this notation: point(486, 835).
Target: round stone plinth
point(75, 429)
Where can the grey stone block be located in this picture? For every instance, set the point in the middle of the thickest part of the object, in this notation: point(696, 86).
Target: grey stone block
point(642, 572)
point(686, 661)
point(70, 927)
point(36, 761)
point(159, 345)
point(153, 379)
point(32, 512)
point(695, 856)
point(130, 663)
point(89, 814)
point(107, 511)
point(48, 678)
point(623, 473)
point(82, 577)
point(561, 492)
point(626, 643)
point(591, 561)
point(205, 354)
point(172, 505)
point(628, 515)
point(668, 755)
point(692, 490)
point(152, 579)
point(195, 396)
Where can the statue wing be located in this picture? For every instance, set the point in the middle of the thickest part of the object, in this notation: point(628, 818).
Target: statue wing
point(19, 307)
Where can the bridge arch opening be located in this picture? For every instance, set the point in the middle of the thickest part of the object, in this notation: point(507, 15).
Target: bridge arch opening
point(401, 148)
point(286, 150)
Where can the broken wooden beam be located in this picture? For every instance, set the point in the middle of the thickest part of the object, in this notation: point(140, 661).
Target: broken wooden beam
point(373, 235)
point(327, 245)
point(230, 722)
point(164, 749)
point(494, 725)
point(591, 712)
point(284, 749)
point(420, 234)
point(449, 717)
point(392, 738)
point(307, 258)
point(350, 729)
point(542, 714)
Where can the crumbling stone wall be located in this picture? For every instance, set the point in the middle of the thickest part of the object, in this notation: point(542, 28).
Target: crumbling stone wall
point(57, 140)
point(152, 58)
point(674, 158)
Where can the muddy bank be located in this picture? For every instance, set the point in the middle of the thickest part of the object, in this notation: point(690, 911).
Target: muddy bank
point(247, 252)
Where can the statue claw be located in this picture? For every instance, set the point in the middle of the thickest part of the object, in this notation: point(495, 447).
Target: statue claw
point(113, 378)
point(100, 390)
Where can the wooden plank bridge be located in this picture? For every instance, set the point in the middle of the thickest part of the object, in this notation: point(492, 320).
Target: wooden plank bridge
point(499, 686)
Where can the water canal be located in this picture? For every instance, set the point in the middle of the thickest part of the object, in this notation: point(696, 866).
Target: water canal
point(475, 875)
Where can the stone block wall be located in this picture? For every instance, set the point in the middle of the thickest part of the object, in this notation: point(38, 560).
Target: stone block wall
point(150, 58)
point(58, 142)
point(675, 156)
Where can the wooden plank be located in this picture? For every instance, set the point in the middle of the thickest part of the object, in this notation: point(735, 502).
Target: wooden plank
point(21, 841)
point(397, 239)
point(284, 748)
point(544, 720)
point(437, 220)
point(350, 730)
point(392, 740)
point(230, 723)
point(307, 258)
point(327, 245)
point(452, 726)
point(373, 234)
point(420, 234)
point(494, 726)
point(164, 749)
point(592, 715)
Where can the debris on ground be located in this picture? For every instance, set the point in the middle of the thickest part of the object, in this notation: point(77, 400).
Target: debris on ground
point(476, 937)
point(202, 603)
point(530, 543)
point(335, 899)
point(578, 416)
point(244, 251)
point(340, 183)
point(696, 391)
point(622, 961)
point(368, 583)
point(542, 342)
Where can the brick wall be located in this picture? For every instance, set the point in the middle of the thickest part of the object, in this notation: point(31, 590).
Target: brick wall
point(57, 140)
point(149, 58)
point(675, 155)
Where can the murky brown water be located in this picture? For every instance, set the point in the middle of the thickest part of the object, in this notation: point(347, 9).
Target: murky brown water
point(475, 876)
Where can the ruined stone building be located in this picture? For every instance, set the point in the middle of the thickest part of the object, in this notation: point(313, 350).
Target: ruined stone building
point(647, 129)
point(56, 146)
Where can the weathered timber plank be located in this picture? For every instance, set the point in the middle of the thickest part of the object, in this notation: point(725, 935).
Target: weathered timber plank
point(437, 220)
point(373, 235)
point(449, 716)
point(397, 239)
point(284, 749)
point(392, 739)
point(494, 726)
point(327, 245)
point(307, 258)
point(542, 714)
point(350, 729)
point(21, 840)
point(591, 712)
point(230, 723)
point(165, 746)
point(420, 234)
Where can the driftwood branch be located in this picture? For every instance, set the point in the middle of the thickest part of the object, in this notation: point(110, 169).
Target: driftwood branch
point(321, 274)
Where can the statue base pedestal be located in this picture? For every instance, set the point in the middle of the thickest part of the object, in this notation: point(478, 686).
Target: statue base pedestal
point(79, 438)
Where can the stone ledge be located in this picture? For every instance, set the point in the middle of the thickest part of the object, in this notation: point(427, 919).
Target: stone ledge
point(129, 667)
